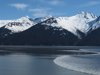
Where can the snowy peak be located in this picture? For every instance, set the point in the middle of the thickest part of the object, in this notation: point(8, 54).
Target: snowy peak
point(42, 19)
point(74, 24)
point(25, 20)
point(87, 15)
point(18, 25)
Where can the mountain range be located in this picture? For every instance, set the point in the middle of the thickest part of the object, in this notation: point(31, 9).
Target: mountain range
point(82, 29)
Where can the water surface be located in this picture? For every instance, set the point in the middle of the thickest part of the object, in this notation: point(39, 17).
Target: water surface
point(28, 64)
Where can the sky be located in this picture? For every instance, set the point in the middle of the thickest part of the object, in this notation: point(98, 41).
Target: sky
point(13, 9)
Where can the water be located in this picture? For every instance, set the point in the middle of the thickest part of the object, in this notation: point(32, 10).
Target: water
point(28, 64)
point(89, 63)
point(20, 63)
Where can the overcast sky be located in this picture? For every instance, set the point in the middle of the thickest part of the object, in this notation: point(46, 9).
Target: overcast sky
point(12, 9)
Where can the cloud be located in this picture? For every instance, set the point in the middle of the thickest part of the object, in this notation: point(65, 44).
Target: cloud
point(40, 12)
point(91, 3)
point(56, 2)
point(53, 2)
point(19, 5)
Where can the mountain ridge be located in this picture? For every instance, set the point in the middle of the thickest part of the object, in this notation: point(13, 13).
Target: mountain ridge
point(62, 30)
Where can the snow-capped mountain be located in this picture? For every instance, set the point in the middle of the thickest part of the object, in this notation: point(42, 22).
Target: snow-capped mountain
point(19, 25)
point(80, 22)
point(49, 30)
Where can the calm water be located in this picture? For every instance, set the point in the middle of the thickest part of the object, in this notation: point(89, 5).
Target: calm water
point(29, 64)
